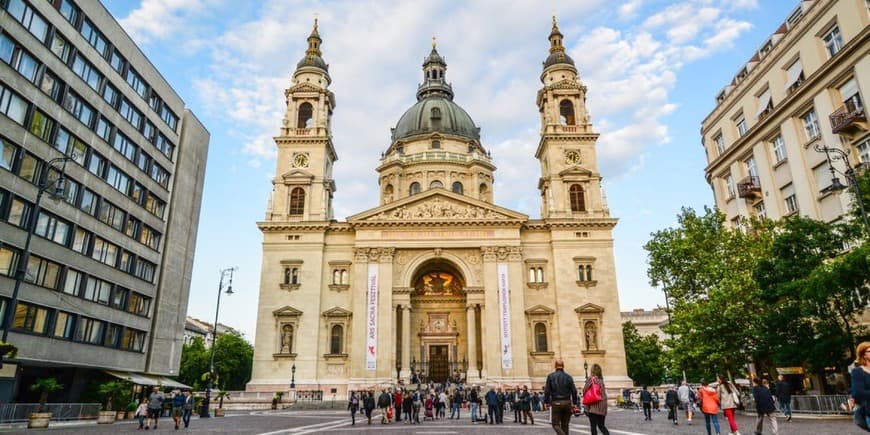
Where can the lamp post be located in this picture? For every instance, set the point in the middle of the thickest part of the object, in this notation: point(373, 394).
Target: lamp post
point(586, 368)
point(293, 375)
point(851, 178)
point(203, 412)
point(21, 269)
point(398, 369)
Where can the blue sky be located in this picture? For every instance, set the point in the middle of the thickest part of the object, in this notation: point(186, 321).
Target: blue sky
point(652, 69)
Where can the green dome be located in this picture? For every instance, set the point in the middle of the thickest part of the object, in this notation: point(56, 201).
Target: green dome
point(436, 114)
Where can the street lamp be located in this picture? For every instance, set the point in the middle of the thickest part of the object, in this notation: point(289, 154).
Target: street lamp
point(21, 270)
point(293, 375)
point(851, 178)
point(203, 412)
point(398, 368)
point(586, 368)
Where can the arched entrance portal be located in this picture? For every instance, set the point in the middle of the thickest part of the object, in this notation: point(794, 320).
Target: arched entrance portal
point(439, 346)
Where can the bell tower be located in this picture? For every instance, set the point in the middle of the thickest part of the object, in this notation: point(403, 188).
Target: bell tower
point(303, 186)
point(570, 184)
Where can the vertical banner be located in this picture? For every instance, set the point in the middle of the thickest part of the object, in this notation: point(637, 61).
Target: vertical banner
point(504, 308)
point(372, 318)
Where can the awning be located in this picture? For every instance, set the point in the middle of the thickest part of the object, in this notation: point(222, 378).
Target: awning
point(794, 73)
point(763, 102)
point(143, 379)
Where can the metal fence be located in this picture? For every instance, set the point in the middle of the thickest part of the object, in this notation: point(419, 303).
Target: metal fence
point(18, 412)
point(309, 396)
point(821, 405)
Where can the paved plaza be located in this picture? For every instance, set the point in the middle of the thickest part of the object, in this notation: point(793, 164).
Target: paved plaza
point(291, 422)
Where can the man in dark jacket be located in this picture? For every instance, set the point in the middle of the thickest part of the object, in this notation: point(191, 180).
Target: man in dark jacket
point(783, 394)
point(457, 403)
point(384, 402)
point(646, 401)
point(561, 393)
point(764, 406)
point(491, 405)
point(672, 400)
point(369, 404)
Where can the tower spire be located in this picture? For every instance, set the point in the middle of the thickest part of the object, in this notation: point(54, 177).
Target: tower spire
point(313, 55)
point(557, 50)
point(434, 75)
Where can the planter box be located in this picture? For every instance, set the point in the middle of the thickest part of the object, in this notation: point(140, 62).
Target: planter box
point(219, 412)
point(106, 417)
point(38, 420)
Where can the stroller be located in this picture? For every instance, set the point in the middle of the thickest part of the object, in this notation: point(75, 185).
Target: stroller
point(429, 407)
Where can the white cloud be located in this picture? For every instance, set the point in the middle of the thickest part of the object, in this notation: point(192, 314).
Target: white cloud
point(630, 9)
point(158, 19)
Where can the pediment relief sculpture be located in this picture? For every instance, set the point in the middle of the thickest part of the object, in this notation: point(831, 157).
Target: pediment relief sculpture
point(439, 209)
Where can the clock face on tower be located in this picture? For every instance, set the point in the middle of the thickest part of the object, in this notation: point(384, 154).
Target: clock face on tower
point(572, 157)
point(300, 160)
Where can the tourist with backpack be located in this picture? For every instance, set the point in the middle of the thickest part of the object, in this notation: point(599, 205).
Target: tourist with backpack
point(353, 407)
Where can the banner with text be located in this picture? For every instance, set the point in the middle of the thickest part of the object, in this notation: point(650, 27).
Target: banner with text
point(504, 308)
point(372, 319)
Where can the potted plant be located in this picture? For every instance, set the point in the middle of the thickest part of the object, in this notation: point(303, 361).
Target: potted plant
point(197, 403)
point(219, 411)
point(131, 409)
point(8, 350)
point(43, 386)
point(276, 399)
point(114, 393)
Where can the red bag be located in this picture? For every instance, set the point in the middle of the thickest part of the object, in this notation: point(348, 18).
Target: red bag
point(389, 413)
point(592, 394)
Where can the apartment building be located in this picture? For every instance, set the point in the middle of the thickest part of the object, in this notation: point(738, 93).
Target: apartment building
point(108, 278)
point(802, 90)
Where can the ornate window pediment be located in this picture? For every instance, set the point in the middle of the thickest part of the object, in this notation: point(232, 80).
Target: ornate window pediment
point(286, 329)
point(540, 310)
point(336, 312)
point(589, 309)
point(287, 311)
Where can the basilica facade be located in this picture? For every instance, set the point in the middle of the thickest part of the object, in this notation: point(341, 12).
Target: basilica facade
point(436, 281)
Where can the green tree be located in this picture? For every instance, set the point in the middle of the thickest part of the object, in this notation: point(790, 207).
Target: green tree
point(233, 361)
point(194, 362)
point(644, 356)
point(705, 269)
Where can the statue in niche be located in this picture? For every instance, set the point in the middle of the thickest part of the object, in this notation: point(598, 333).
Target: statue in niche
point(591, 334)
point(286, 338)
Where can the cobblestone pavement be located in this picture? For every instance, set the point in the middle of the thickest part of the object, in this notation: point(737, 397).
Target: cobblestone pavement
point(291, 422)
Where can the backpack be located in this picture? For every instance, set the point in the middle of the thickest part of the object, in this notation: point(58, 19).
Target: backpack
point(354, 401)
point(692, 397)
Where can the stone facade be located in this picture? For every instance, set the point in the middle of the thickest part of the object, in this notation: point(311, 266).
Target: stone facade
point(437, 280)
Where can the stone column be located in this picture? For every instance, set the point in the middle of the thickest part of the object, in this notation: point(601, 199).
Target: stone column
point(472, 344)
point(406, 344)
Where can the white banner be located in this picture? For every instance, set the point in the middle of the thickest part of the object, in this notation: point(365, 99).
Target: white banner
point(372, 319)
point(504, 307)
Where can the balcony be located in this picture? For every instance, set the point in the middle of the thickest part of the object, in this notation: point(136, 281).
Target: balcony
point(303, 131)
point(849, 117)
point(749, 188)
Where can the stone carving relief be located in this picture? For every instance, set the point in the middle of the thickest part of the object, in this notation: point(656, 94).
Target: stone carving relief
point(591, 336)
point(438, 209)
point(502, 253)
point(374, 255)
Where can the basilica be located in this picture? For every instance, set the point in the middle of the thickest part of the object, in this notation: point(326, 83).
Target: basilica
point(436, 281)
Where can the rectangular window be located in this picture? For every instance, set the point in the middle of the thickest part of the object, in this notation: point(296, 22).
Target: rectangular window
point(160, 175)
point(729, 185)
point(87, 72)
point(864, 151)
point(64, 325)
point(138, 193)
point(118, 179)
point(28, 18)
point(89, 202)
point(720, 143)
point(751, 167)
point(81, 241)
point(113, 335)
point(133, 116)
point(149, 131)
point(29, 169)
point(8, 261)
point(60, 47)
point(133, 226)
point(833, 41)
point(110, 94)
point(41, 125)
point(760, 212)
point(117, 61)
point(7, 154)
point(26, 65)
point(111, 215)
point(788, 195)
point(811, 125)
point(139, 304)
point(70, 145)
point(125, 146)
point(168, 117)
point(7, 48)
point(30, 318)
point(126, 262)
point(90, 330)
point(135, 81)
point(104, 251)
point(154, 205)
point(144, 270)
point(73, 283)
point(94, 37)
point(149, 237)
point(52, 228)
point(66, 9)
point(51, 86)
point(42, 272)
point(133, 340)
point(97, 290)
point(70, 191)
point(97, 164)
point(740, 122)
point(119, 297)
point(104, 128)
point(19, 212)
point(165, 146)
point(12, 105)
point(76, 106)
point(142, 161)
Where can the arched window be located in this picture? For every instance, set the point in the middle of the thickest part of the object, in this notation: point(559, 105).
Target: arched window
point(566, 112)
point(294, 275)
point(436, 144)
point(287, 339)
point(344, 276)
point(435, 113)
point(483, 192)
point(531, 274)
point(588, 272)
point(336, 340)
point(457, 187)
point(435, 184)
point(540, 337)
point(305, 114)
point(388, 193)
point(414, 189)
point(539, 274)
point(336, 276)
point(582, 276)
point(578, 202)
point(297, 201)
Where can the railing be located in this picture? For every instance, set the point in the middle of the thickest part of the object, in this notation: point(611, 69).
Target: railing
point(309, 396)
point(438, 156)
point(820, 405)
point(749, 187)
point(852, 110)
point(18, 412)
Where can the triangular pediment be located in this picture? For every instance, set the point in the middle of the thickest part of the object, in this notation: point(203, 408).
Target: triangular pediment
point(577, 171)
point(337, 312)
point(287, 311)
point(565, 84)
point(589, 309)
point(297, 174)
point(540, 309)
point(305, 87)
point(438, 205)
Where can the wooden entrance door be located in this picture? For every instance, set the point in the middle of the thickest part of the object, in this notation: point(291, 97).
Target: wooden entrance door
point(438, 363)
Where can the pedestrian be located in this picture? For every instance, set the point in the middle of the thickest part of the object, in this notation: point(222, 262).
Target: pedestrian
point(397, 404)
point(353, 407)
point(491, 404)
point(687, 399)
point(672, 401)
point(155, 406)
point(783, 395)
point(517, 405)
point(369, 404)
point(596, 411)
point(457, 402)
point(142, 413)
point(384, 402)
point(764, 406)
point(177, 407)
point(729, 400)
point(646, 400)
point(527, 406)
point(655, 400)
point(860, 391)
point(187, 408)
point(416, 404)
point(407, 407)
point(499, 411)
point(709, 406)
point(560, 394)
point(442, 404)
point(473, 403)
point(635, 400)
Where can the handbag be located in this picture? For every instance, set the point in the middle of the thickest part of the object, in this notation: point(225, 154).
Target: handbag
point(736, 398)
point(592, 394)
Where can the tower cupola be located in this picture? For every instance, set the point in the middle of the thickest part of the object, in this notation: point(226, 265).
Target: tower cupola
point(434, 76)
point(313, 54)
point(557, 50)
